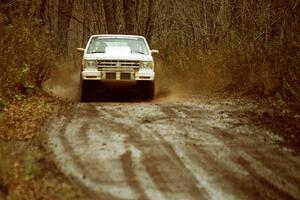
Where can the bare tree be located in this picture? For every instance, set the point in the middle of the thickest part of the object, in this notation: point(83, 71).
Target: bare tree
point(65, 8)
point(130, 9)
point(110, 15)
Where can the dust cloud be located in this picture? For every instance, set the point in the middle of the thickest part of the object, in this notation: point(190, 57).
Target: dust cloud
point(64, 81)
point(195, 79)
point(167, 92)
point(171, 85)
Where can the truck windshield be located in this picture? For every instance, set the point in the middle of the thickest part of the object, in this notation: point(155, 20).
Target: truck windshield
point(136, 45)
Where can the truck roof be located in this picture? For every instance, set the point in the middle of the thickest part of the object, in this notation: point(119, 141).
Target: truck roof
point(118, 35)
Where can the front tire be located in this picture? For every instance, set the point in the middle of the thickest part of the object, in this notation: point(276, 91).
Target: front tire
point(86, 88)
point(147, 89)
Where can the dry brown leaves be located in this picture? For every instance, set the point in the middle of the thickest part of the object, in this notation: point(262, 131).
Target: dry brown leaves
point(20, 120)
point(29, 190)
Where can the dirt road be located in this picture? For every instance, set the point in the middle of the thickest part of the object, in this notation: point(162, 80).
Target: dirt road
point(181, 150)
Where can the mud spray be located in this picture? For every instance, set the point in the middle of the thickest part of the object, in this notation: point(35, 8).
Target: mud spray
point(172, 85)
point(64, 81)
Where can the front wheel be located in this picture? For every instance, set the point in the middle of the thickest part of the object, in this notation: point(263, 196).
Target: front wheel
point(147, 89)
point(86, 89)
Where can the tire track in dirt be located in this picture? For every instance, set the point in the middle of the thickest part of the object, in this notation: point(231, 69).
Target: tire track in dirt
point(292, 189)
point(190, 160)
point(172, 114)
point(169, 162)
point(127, 162)
point(70, 162)
point(271, 190)
point(184, 150)
point(261, 166)
point(161, 162)
point(112, 126)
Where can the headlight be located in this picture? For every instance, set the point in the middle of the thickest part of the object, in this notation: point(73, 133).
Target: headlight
point(146, 64)
point(90, 63)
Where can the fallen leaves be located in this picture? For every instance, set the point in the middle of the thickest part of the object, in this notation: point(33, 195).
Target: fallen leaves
point(29, 190)
point(21, 119)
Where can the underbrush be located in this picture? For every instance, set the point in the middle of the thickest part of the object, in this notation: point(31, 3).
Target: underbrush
point(26, 172)
point(27, 57)
point(250, 70)
point(27, 60)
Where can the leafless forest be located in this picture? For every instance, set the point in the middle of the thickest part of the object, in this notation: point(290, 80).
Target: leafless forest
point(225, 122)
point(245, 46)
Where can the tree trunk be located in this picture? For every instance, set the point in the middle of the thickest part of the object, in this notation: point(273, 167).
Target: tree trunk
point(65, 8)
point(110, 16)
point(130, 7)
point(42, 13)
point(150, 19)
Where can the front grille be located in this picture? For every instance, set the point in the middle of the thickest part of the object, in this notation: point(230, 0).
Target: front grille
point(111, 76)
point(118, 63)
point(125, 76)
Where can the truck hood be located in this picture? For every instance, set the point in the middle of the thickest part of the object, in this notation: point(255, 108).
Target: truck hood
point(118, 53)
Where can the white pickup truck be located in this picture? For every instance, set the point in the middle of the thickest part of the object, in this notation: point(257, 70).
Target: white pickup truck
point(117, 58)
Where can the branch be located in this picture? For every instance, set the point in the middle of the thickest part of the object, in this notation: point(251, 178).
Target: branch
point(76, 19)
point(9, 4)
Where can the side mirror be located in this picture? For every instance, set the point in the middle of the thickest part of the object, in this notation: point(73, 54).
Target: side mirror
point(154, 52)
point(80, 50)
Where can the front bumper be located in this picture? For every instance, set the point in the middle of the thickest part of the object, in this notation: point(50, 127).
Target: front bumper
point(119, 75)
